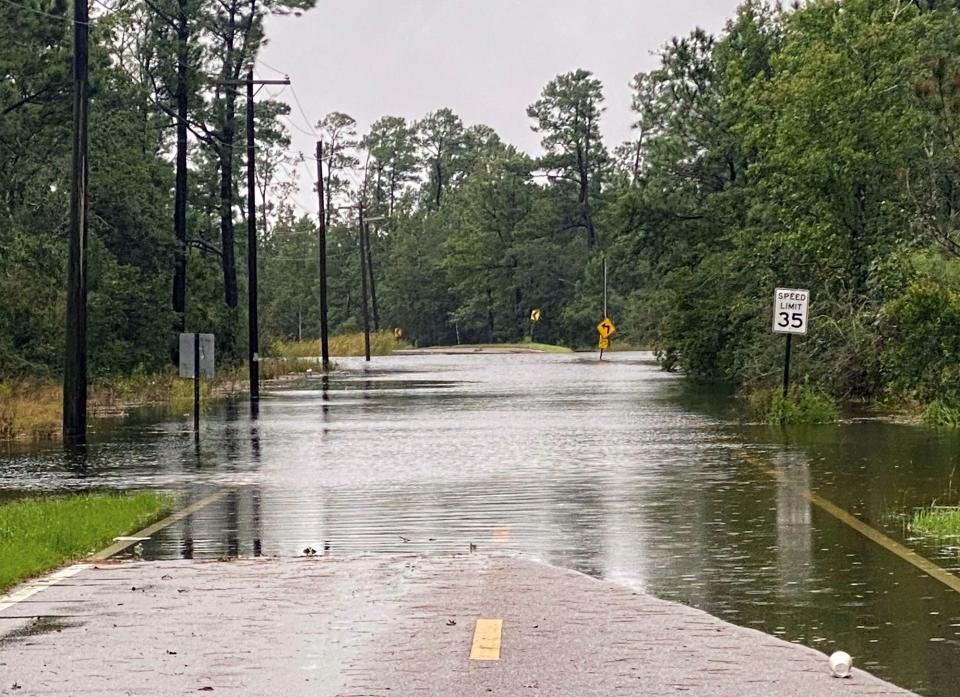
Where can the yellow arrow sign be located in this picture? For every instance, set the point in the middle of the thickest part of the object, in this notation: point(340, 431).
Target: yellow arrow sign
point(606, 328)
point(535, 316)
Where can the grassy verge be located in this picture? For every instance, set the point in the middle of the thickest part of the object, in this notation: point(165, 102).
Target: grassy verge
point(32, 409)
point(543, 348)
point(937, 521)
point(381, 344)
point(37, 535)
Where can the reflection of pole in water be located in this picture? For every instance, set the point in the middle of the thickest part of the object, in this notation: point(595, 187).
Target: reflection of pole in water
point(325, 394)
point(77, 459)
point(232, 528)
point(255, 445)
point(794, 523)
point(256, 518)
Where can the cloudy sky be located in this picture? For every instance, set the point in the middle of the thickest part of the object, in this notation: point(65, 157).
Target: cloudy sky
point(486, 59)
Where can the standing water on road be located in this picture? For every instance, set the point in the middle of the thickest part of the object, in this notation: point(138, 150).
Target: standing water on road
point(614, 468)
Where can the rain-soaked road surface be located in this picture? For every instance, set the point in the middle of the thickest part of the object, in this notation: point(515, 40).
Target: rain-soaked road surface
point(378, 626)
point(616, 470)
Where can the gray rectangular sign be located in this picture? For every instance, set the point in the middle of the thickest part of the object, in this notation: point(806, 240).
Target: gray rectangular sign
point(206, 355)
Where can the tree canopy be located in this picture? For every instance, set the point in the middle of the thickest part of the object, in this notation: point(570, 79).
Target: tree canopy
point(812, 146)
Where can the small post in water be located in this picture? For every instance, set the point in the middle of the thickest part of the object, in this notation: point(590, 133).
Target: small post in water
point(196, 386)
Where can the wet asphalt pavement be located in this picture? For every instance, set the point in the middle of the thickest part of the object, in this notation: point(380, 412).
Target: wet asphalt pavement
point(386, 626)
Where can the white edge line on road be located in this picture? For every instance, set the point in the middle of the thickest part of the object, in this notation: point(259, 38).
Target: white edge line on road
point(34, 587)
point(31, 588)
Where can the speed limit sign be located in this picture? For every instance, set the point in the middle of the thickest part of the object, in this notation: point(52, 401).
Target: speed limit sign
point(790, 310)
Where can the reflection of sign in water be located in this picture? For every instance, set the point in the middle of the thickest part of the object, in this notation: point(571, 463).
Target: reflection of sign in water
point(606, 328)
point(535, 316)
point(790, 308)
point(206, 355)
point(794, 547)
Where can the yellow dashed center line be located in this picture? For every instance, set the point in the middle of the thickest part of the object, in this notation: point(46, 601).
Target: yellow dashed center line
point(486, 640)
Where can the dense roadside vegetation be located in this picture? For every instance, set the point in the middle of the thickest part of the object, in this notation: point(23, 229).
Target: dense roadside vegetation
point(31, 408)
point(815, 146)
point(40, 534)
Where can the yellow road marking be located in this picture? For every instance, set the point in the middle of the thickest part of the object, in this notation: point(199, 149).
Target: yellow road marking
point(124, 542)
point(40, 584)
point(891, 545)
point(486, 640)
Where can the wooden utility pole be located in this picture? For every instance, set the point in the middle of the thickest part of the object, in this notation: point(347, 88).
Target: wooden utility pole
point(253, 331)
point(75, 363)
point(253, 334)
point(363, 284)
point(324, 328)
point(180, 185)
point(373, 283)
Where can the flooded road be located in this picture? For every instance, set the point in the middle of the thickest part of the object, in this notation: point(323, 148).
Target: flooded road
point(615, 469)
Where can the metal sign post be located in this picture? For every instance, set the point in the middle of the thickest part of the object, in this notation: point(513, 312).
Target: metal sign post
point(196, 386)
point(791, 309)
point(197, 360)
point(535, 316)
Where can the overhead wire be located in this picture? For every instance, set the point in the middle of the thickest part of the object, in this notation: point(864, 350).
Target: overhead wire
point(312, 131)
point(62, 18)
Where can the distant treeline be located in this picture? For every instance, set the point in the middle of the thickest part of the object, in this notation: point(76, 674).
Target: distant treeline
point(814, 147)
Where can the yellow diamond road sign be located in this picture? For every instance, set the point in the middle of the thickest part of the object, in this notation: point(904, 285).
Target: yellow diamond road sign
point(606, 328)
point(535, 316)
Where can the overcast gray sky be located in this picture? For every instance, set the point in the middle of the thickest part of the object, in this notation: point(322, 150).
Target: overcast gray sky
point(485, 59)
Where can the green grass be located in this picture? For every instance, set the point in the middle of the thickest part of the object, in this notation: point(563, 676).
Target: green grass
point(802, 405)
point(41, 534)
point(381, 344)
point(936, 521)
point(942, 415)
point(544, 348)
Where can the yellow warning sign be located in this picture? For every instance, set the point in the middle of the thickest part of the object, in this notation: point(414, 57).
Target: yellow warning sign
point(604, 343)
point(535, 316)
point(606, 328)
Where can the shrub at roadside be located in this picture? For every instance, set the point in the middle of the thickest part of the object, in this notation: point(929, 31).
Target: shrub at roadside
point(803, 404)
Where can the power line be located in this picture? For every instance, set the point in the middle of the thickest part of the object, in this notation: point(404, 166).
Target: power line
point(303, 113)
point(62, 18)
point(296, 127)
point(270, 67)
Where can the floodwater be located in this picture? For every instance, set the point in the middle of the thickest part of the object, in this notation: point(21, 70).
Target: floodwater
point(615, 469)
